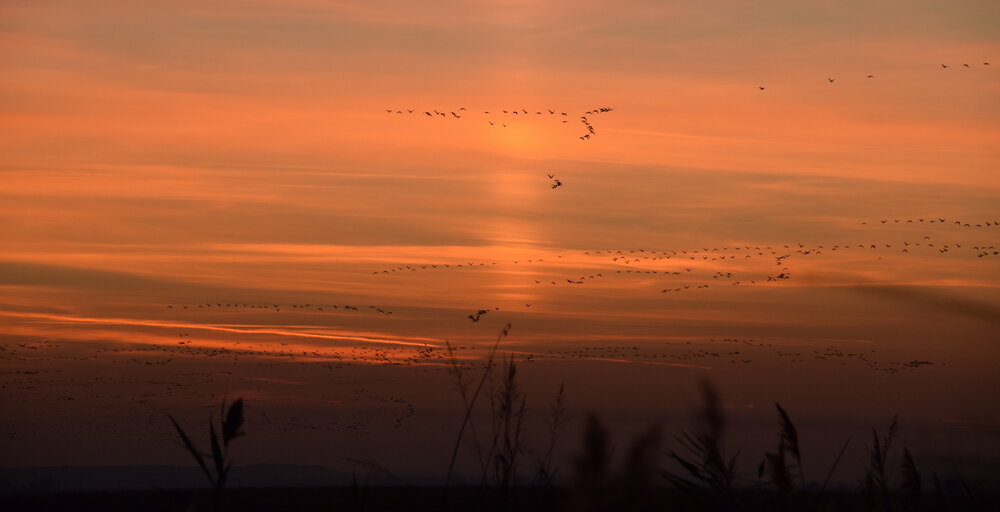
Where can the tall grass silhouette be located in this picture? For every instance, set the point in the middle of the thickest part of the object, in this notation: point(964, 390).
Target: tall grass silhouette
point(706, 478)
point(509, 409)
point(230, 425)
point(469, 403)
point(499, 451)
point(701, 476)
point(782, 473)
point(705, 465)
point(912, 485)
point(557, 421)
point(599, 486)
point(876, 480)
point(875, 483)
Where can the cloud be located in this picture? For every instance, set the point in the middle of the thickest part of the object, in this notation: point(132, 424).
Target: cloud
point(936, 299)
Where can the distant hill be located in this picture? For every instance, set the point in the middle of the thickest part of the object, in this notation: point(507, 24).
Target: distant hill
point(99, 478)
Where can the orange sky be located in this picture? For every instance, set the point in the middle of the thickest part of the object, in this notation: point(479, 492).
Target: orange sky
point(183, 154)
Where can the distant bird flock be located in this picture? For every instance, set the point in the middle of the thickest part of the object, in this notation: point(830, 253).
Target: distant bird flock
point(943, 67)
point(500, 118)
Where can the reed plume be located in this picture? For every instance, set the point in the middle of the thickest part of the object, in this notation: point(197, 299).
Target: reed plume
point(706, 464)
point(231, 423)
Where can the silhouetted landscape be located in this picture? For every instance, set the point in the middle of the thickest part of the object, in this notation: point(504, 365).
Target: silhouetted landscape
point(692, 471)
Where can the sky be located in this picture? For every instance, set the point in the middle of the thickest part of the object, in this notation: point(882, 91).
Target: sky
point(796, 200)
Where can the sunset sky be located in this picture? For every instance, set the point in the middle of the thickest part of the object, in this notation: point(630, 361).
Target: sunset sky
point(192, 192)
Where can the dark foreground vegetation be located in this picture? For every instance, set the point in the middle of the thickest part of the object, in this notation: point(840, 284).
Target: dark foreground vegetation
point(330, 499)
point(694, 473)
point(461, 499)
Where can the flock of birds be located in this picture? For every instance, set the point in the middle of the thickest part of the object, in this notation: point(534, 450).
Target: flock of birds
point(556, 183)
point(198, 382)
point(126, 380)
point(676, 263)
point(687, 268)
point(71, 386)
point(757, 351)
point(868, 77)
point(508, 116)
point(500, 117)
point(277, 307)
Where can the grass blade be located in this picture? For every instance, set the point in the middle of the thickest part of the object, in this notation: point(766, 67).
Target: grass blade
point(189, 445)
point(833, 467)
point(472, 403)
point(911, 477)
point(217, 455)
point(789, 439)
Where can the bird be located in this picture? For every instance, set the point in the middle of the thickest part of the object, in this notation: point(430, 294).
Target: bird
point(831, 80)
point(761, 87)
